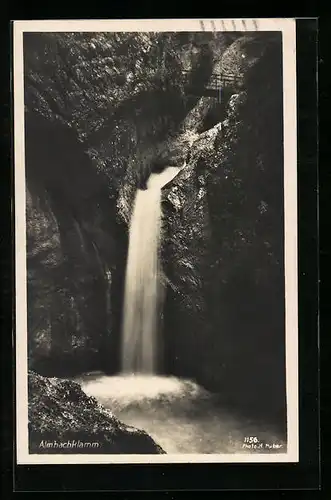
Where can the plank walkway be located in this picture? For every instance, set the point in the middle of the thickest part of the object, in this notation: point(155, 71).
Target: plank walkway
point(214, 87)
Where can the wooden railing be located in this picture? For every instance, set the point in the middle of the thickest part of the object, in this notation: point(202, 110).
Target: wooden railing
point(213, 87)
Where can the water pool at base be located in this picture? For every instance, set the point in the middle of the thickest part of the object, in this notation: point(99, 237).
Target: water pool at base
point(178, 414)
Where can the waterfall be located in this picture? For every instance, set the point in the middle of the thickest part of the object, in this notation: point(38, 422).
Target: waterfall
point(142, 280)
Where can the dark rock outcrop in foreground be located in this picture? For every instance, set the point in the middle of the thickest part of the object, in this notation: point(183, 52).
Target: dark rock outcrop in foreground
point(63, 419)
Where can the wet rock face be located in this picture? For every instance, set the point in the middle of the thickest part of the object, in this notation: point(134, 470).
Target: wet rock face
point(185, 252)
point(75, 255)
point(63, 419)
point(223, 247)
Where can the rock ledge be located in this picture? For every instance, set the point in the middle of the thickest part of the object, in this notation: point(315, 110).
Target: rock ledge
point(63, 419)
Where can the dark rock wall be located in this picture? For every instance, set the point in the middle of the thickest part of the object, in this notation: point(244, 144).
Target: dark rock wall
point(223, 246)
point(75, 253)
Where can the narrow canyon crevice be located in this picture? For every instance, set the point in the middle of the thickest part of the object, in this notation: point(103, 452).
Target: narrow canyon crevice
point(104, 112)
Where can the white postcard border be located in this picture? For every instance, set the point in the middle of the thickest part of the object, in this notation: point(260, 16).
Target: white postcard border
point(288, 29)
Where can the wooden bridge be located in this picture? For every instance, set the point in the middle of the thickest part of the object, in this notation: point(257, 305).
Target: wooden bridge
point(213, 88)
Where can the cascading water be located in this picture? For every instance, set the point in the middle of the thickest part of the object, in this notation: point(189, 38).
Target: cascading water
point(142, 297)
point(178, 414)
point(181, 416)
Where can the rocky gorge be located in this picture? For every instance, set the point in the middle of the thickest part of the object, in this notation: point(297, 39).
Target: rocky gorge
point(102, 112)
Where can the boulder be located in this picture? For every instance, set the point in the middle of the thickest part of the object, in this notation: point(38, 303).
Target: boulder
point(64, 420)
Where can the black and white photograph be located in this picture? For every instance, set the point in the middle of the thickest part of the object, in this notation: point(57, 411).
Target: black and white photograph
point(156, 241)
